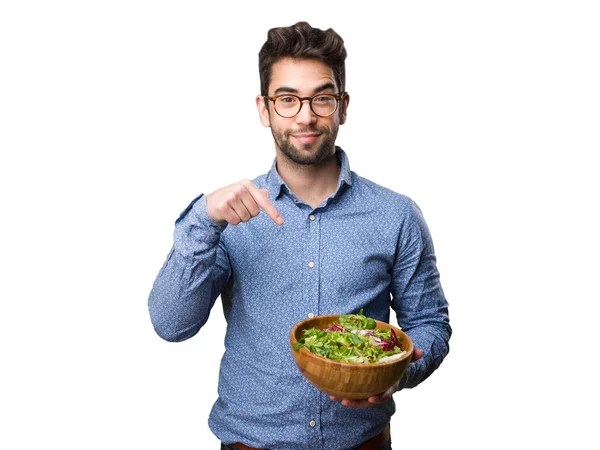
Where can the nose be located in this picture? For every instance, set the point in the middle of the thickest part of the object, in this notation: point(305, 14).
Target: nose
point(306, 114)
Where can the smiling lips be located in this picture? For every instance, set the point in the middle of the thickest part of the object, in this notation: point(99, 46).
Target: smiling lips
point(305, 138)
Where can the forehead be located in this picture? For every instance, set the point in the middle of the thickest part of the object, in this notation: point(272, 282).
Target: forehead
point(301, 75)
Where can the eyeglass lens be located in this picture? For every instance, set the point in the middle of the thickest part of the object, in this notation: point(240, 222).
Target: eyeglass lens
point(290, 105)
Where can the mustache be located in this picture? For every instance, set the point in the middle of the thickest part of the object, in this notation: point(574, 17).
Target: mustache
point(307, 130)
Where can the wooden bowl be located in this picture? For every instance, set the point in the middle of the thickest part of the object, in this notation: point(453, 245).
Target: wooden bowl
point(347, 380)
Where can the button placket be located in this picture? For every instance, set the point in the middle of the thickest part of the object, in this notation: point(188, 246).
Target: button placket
point(313, 275)
point(313, 259)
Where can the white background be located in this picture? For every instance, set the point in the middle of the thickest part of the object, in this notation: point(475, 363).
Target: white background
point(115, 114)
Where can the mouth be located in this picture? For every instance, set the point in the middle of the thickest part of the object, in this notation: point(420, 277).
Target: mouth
point(307, 138)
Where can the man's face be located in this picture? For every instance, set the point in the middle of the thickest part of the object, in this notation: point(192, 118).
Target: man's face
point(306, 138)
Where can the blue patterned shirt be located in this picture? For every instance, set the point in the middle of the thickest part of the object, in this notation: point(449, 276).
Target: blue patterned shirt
point(363, 247)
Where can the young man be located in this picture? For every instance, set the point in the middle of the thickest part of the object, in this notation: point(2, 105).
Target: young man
point(326, 242)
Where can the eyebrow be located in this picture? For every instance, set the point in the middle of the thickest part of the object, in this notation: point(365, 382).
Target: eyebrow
point(289, 90)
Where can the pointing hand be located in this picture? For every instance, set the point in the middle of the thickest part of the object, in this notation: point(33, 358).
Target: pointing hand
point(240, 202)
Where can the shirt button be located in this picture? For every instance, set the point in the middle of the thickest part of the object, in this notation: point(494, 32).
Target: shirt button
point(311, 217)
point(311, 315)
point(311, 264)
point(312, 423)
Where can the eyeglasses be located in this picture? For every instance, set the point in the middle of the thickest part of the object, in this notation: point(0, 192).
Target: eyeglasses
point(323, 105)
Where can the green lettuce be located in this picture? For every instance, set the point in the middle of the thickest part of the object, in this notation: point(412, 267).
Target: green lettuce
point(353, 339)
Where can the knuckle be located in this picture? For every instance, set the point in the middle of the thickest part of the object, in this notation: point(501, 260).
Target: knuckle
point(239, 189)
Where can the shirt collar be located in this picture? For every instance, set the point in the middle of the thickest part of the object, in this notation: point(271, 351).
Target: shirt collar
point(276, 185)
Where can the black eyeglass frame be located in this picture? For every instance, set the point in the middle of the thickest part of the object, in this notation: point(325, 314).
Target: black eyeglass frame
point(337, 97)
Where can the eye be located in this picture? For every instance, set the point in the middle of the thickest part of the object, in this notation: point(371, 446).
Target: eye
point(288, 99)
point(323, 99)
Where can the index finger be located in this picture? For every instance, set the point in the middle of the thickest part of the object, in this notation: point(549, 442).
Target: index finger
point(264, 203)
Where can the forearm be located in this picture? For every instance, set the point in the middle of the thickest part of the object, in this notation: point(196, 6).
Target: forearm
point(433, 340)
point(191, 278)
point(423, 315)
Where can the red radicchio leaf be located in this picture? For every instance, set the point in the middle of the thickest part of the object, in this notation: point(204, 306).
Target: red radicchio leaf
point(335, 327)
point(394, 339)
point(387, 346)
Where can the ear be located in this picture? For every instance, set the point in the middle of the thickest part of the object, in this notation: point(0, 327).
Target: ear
point(344, 108)
point(263, 111)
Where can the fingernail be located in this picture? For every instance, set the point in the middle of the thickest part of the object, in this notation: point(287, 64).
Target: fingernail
point(280, 220)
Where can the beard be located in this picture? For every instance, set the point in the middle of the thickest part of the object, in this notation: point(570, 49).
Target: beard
point(299, 155)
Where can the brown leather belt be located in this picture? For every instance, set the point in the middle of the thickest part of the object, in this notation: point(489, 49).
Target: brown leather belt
point(375, 443)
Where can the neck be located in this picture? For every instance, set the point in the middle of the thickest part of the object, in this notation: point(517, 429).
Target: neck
point(310, 183)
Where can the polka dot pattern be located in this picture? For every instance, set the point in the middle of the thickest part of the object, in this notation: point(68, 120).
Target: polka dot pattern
point(364, 247)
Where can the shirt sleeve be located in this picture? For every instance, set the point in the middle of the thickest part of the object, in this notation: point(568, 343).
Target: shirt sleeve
point(418, 299)
point(192, 277)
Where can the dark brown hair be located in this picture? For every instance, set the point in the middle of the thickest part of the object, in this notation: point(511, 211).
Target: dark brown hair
point(304, 42)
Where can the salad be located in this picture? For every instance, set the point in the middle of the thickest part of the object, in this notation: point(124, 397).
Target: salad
point(353, 339)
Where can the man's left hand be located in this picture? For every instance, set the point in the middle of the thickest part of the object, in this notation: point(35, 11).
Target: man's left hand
point(377, 399)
